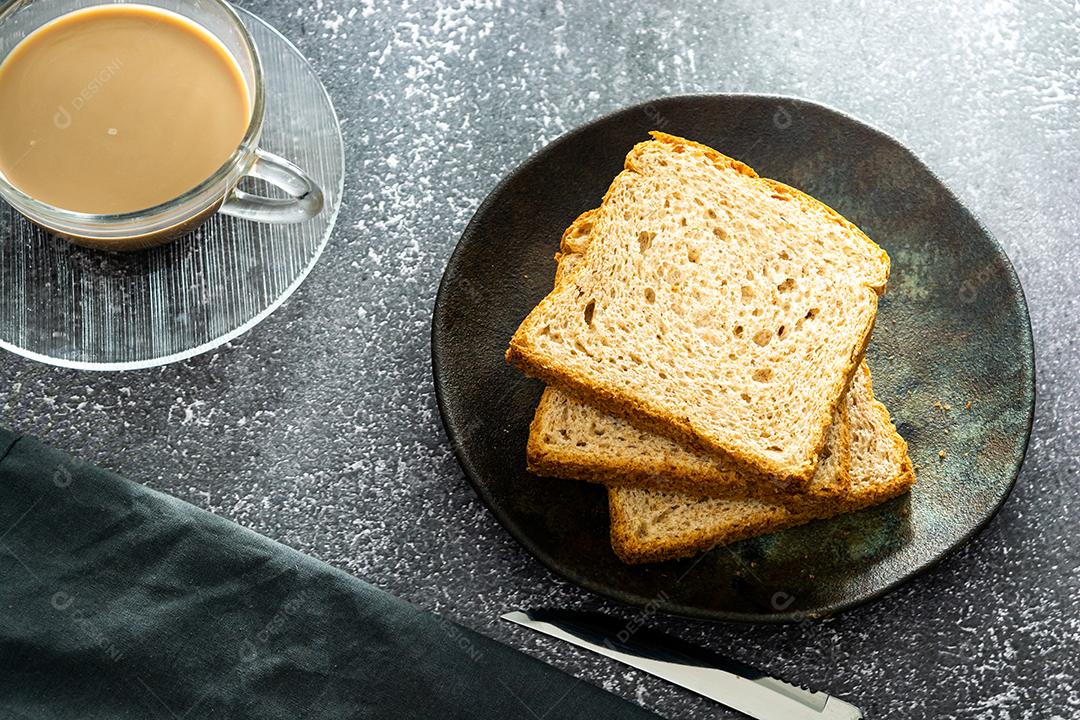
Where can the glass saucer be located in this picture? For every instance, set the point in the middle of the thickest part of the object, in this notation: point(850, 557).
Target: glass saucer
point(80, 308)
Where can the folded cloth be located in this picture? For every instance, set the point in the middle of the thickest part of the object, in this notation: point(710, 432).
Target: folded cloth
point(119, 602)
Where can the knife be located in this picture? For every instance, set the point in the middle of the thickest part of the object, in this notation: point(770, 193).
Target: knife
point(725, 680)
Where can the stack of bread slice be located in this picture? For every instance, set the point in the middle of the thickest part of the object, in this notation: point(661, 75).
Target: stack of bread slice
point(704, 349)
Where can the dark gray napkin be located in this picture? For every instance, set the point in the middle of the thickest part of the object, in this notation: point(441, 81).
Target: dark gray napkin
point(120, 602)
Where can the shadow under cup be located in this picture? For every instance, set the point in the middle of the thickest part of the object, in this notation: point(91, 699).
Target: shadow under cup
point(218, 193)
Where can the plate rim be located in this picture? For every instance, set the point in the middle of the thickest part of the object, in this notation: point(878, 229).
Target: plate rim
point(438, 319)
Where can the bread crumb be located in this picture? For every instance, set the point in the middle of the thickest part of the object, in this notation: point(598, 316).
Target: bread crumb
point(968, 406)
point(941, 454)
point(943, 407)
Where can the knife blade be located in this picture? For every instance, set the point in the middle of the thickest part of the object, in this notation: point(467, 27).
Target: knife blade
point(728, 681)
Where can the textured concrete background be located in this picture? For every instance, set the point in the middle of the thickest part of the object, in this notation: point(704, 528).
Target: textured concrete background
point(319, 428)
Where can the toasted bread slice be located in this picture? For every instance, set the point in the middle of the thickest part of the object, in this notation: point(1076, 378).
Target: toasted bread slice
point(650, 526)
point(724, 310)
point(573, 440)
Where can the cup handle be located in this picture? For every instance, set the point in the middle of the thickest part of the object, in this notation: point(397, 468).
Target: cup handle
point(304, 203)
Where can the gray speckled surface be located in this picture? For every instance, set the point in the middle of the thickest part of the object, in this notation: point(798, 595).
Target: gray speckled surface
point(319, 428)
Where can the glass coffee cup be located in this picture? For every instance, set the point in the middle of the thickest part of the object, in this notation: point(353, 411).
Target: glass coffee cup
point(217, 193)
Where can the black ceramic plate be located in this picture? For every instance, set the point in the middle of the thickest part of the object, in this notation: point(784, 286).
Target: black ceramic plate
point(951, 354)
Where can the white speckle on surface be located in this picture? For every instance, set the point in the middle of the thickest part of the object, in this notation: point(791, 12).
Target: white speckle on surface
point(334, 24)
